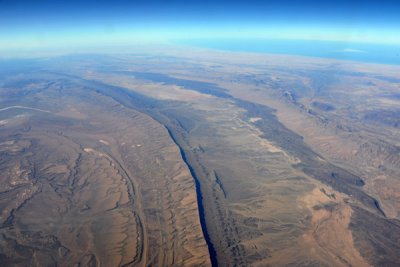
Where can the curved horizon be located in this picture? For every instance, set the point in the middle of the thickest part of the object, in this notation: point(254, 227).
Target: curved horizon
point(30, 25)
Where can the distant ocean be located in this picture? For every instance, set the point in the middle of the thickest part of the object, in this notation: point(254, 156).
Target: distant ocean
point(372, 53)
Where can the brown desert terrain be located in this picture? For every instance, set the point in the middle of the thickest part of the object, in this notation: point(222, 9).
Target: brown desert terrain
point(195, 159)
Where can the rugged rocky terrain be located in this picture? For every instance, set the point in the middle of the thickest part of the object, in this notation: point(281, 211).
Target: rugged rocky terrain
point(185, 158)
point(86, 181)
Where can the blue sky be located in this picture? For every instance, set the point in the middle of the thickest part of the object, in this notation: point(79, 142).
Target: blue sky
point(33, 23)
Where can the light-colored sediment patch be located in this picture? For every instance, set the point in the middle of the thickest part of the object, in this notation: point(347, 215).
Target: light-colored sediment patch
point(7, 143)
point(104, 142)
point(93, 151)
point(136, 145)
point(255, 119)
point(329, 238)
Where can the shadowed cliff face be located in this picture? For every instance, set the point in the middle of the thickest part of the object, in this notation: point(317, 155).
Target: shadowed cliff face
point(229, 160)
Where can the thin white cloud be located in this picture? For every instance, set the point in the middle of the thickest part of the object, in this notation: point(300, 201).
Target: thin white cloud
point(350, 50)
